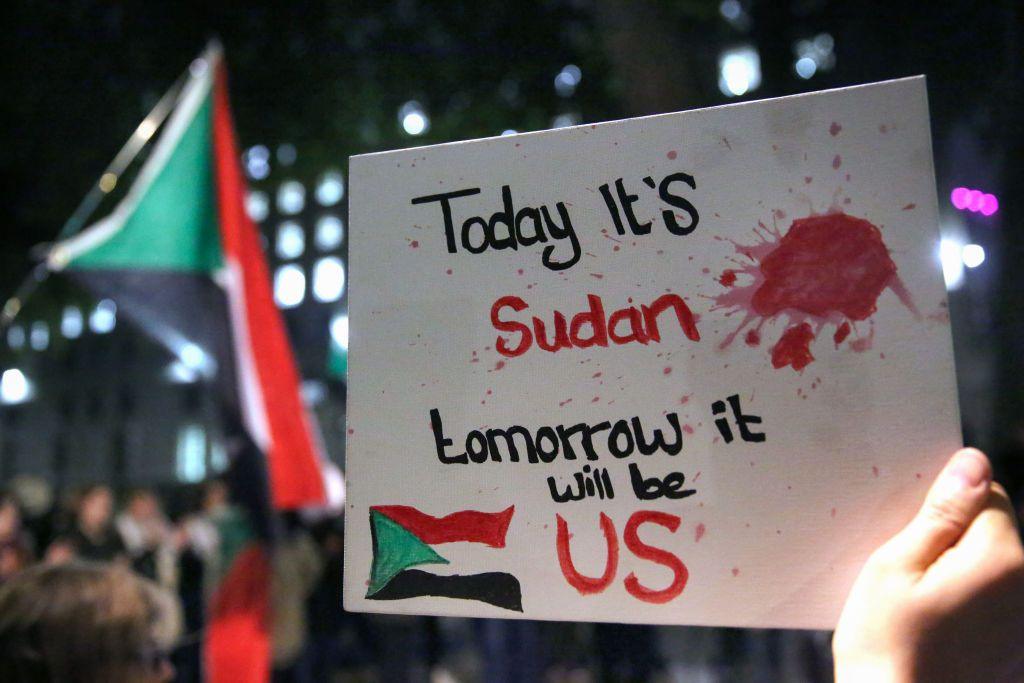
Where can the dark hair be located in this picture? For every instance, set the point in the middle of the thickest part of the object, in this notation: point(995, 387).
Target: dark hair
point(80, 621)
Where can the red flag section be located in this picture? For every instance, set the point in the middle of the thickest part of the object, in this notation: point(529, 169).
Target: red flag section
point(471, 526)
point(268, 376)
point(237, 642)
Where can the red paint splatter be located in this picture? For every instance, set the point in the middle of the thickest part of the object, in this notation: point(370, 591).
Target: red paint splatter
point(499, 365)
point(909, 207)
point(519, 272)
point(698, 533)
point(688, 429)
point(351, 431)
point(727, 278)
point(832, 513)
point(684, 400)
point(667, 370)
point(793, 348)
point(564, 403)
point(837, 161)
point(595, 399)
point(874, 471)
point(597, 275)
point(414, 244)
point(449, 271)
point(671, 154)
point(826, 269)
point(735, 571)
point(753, 338)
point(834, 129)
point(808, 179)
point(842, 332)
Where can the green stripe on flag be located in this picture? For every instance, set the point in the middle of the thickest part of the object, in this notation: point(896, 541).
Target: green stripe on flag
point(174, 226)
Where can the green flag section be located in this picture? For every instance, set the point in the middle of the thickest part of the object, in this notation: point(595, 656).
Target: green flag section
point(168, 220)
point(395, 549)
point(337, 361)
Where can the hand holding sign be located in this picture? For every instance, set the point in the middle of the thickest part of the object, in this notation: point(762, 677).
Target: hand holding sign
point(944, 598)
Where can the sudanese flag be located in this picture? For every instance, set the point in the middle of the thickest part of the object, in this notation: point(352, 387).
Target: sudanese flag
point(182, 260)
point(403, 537)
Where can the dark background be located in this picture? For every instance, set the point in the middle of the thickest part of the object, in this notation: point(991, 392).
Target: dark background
point(330, 77)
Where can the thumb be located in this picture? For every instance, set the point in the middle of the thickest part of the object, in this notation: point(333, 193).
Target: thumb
point(954, 500)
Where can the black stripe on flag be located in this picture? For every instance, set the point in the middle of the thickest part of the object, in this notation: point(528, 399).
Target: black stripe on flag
point(495, 588)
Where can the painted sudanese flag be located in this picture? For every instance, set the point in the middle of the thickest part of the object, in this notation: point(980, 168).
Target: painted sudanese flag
point(403, 538)
point(182, 260)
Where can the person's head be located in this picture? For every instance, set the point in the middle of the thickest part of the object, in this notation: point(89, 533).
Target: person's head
point(10, 517)
point(83, 622)
point(143, 504)
point(95, 507)
point(215, 495)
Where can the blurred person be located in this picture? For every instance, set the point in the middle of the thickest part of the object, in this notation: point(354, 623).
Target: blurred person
point(93, 536)
point(297, 565)
point(148, 537)
point(84, 623)
point(17, 549)
point(943, 600)
point(36, 501)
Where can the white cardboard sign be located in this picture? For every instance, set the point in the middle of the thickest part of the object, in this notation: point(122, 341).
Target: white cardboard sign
point(681, 369)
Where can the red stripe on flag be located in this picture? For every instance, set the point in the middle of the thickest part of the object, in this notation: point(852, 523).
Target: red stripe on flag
point(473, 526)
point(295, 478)
point(237, 642)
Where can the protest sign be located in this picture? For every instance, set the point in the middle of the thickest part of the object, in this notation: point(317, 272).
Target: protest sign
point(684, 369)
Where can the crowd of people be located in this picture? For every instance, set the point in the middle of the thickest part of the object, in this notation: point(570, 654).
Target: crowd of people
point(941, 600)
point(171, 538)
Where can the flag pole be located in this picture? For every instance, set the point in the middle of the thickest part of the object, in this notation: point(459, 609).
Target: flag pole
point(103, 186)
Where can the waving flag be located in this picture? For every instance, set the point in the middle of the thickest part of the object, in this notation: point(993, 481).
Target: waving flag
point(182, 260)
point(403, 538)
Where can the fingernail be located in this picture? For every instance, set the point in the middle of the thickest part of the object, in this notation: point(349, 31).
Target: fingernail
point(970, 468)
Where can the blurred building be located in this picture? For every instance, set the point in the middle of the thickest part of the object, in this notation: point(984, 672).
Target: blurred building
point(92, 399)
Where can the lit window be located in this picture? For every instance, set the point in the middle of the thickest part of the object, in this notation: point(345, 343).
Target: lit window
point(103, 317)
point(289, 286)
point(39, 335)
point(291, 197)
point(330, 189)
point(257, 162)
point(339, 330)
point(328, 279)
point(567, 80)
point(413, 118)
point(71, 322)
point(16, 336)
point(286, 154)
point(330, 232)
point(565, 120)
point(15, 387)
point(739, 71)
point(291, 240)
point(257, 206)
point(973, 255)
point(178, 372)
point(191, 454)
point(951, 257)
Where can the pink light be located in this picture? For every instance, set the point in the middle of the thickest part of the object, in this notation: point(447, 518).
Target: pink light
point(959, 197)
point(989, 204)
point(976, 201)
